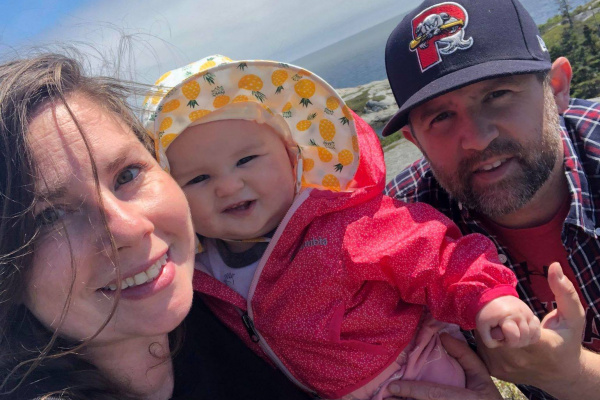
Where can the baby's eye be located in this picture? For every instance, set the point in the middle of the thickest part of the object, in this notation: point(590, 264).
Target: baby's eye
point(245, 160)
point(49, 216)
point(198, 179)
point(127, 175)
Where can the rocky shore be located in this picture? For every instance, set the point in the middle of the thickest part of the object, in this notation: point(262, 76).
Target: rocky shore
point(375, 103)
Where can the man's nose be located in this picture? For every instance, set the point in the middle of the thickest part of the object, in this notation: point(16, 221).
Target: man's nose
point(477, 132)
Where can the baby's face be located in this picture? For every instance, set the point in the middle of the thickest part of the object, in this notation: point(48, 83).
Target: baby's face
point(236, 175)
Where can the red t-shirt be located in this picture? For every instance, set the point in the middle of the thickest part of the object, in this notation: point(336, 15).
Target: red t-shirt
point(535, 249)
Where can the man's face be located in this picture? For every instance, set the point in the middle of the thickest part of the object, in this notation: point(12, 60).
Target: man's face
point(493, 144)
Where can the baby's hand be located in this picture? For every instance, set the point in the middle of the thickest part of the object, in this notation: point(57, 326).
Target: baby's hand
point(513, 318)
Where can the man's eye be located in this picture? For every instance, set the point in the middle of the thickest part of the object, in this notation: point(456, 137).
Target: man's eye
point(49, 216)
point(198, 179)
point(441, 117)
point(127, 175)
point(245, 160)
point(497, 93)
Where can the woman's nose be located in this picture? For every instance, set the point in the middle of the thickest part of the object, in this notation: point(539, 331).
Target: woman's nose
point(477, 132)
point(228, 185)
point(127, 221)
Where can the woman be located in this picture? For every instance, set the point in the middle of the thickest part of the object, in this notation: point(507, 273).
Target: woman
point(95, 262)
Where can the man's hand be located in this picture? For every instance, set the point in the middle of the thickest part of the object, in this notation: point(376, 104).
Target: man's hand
point(556, 363)
point(513, 320)
point(479, 383)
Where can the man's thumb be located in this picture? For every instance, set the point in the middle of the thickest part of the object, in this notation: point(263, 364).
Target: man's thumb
point(568, 305)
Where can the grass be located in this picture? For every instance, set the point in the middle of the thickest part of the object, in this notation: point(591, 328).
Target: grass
point(508, 390)
point(386, 141)
point(357, 103)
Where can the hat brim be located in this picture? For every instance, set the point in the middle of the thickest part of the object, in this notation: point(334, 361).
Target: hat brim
point(463, 77)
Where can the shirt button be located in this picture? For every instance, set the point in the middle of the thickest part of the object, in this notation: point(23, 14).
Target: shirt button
point(502, 258)
point(597, 231)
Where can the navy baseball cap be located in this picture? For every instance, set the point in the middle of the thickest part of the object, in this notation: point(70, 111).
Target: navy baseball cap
point(441, 46)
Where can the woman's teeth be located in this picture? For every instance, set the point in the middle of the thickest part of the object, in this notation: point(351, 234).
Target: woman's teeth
point(493, 165)
point(141, 278)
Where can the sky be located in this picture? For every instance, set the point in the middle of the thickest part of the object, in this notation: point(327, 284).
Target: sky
point(165, 34)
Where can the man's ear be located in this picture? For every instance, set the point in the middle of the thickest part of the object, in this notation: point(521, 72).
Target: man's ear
point(407, 132)
point(560, 82)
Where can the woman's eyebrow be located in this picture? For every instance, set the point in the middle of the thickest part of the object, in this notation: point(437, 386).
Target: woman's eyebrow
point(51, 196)
point(115, 165)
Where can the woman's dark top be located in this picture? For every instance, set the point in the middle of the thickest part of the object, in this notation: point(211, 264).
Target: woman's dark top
point(212, 363)
point(215, 364)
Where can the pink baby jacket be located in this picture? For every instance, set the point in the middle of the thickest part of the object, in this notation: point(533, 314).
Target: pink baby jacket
point(342, 286)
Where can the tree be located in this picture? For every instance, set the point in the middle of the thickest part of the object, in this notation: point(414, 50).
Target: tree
point(564, 8)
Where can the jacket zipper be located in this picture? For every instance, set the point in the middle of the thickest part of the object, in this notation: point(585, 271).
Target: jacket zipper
point(255, 335)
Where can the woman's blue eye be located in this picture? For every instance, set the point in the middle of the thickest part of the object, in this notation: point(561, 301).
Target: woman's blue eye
point(49, 216)
point(244, 160)
point(197, 179)
point(127, 175)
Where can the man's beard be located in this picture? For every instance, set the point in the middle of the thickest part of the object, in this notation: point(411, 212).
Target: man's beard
point(536, 161)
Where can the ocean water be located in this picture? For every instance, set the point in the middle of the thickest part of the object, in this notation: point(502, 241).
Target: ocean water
point(359, 59)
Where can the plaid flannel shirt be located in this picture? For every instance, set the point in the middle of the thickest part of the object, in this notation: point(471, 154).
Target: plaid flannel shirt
point(580, 126)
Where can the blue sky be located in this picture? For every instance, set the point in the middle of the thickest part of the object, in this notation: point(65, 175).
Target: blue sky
point(170, 33)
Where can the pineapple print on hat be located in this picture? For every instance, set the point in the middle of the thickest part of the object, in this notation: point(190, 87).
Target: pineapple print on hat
point(240, 99)
point(324, 154)
point(300, 74)
point(345, 157)
point(162, 78)
point(254, 84)
point(306, 123)
point(220, 101)
point(331, 182)
point(191, 91)
point(355, 143)
point(170, 106)
point(278, 78)
point(208, 64)
point(165, 124)
point(194, 115)
point(345, 120)
point(331, 105)
point(327, 130)
point(305, 89)
point(220, 98)
point(308, 164)
point(165, 140)
point(286, 110)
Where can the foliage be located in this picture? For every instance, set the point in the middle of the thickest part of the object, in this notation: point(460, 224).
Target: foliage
point(391, 138)
point(357, 103)
point(579, 43)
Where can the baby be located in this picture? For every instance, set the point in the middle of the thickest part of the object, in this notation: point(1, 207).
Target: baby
point(302, 255)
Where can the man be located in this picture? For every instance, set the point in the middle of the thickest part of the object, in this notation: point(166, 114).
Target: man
point(508, 154)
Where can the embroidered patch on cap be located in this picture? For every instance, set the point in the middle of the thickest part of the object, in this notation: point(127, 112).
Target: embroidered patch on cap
point(439, 30)
point(542, 43)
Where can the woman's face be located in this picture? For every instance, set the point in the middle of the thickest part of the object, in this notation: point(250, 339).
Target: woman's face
point(145, 210)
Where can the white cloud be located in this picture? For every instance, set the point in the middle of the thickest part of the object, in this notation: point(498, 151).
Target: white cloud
point(168, 34)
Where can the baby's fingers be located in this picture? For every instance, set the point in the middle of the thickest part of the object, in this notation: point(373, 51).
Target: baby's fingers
point(512, 332)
